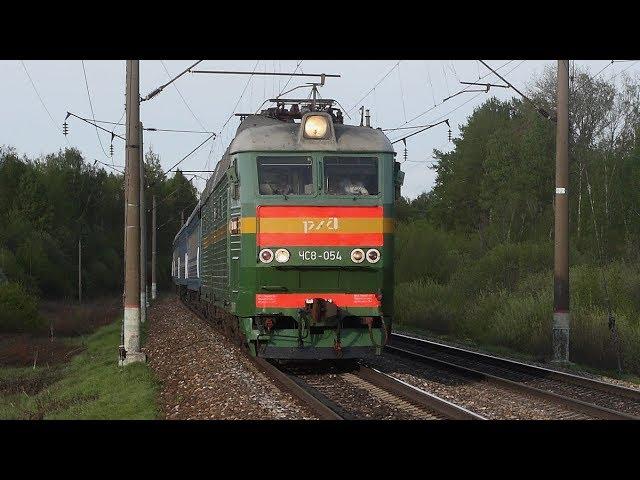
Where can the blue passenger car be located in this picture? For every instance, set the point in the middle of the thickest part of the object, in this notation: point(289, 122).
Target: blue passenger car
point(185, 268)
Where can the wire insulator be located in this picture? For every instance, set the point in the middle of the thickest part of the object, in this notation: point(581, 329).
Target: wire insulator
point(65, 128)
point(111, 149)
point(449, 134)
point(405, 149)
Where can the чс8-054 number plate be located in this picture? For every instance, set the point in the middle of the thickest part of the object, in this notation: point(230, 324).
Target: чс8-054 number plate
point(314, 255)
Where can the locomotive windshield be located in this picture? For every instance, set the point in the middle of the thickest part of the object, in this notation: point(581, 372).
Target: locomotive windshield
point(351, 175)
point(285, 176)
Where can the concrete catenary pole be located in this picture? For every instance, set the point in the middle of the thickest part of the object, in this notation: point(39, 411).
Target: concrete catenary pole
point(561, 317)
point(154, 291)
point(143, 236)
point(130, 349)
point(79, 269)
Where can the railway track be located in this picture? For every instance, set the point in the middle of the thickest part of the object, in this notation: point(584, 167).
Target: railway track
point(337, 393)
point(586, 397)
point(316, 387)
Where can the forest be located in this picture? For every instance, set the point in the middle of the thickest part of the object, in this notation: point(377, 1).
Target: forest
point(475, 254)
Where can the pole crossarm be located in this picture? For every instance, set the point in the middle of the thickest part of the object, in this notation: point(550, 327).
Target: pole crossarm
point(539, 109)
point(421, 130)
point(149, 129)
point(488, 85)
point(70, 114)
point(165, 85)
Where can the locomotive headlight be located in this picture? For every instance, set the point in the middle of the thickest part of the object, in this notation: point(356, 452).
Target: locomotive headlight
point(266, 255)
point(316, 126)
point(357, 255)
point(373, 255)
point(282, 255)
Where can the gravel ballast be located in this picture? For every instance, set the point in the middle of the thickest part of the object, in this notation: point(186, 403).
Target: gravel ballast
point(482, 398)
point(203, 375)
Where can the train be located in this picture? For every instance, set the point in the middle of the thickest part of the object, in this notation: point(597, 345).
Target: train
point(290, 246)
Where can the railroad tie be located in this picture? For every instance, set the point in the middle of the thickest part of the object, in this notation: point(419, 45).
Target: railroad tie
point(390, 398)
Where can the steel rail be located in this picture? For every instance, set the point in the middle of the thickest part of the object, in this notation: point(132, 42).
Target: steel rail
point(390, 385)
point(316, 402)
point(416, 395)
point(535, 371)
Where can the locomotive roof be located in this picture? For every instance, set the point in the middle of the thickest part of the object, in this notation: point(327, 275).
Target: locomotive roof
point(262, 133)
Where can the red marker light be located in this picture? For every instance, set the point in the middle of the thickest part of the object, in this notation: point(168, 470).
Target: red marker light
point(266, 256)
point(373, 255)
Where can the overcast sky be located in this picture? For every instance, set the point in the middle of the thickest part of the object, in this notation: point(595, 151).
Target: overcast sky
point(411, 88)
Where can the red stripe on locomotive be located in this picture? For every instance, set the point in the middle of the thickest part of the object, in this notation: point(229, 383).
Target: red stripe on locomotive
point(297, 300)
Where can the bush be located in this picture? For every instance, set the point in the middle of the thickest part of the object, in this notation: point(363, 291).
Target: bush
point(422, 252)
point(503, 267)
point(19, 310)
point(591, 342)
point(630, 344)
point(428, 305)
point(522, 322)
point(13, 271)
point(623, 286)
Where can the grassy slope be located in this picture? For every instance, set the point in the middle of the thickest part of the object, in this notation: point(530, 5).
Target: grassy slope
point(91, 386)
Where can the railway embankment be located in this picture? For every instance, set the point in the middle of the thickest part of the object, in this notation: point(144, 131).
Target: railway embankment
point(74, 373)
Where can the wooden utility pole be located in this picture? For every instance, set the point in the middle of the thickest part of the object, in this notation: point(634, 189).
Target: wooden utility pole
point(130, 348)
point(143, 237)
point(153, 252)
point(561, 317)
point(79, 269)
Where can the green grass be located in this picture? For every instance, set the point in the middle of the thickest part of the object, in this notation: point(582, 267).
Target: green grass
point(90, 386)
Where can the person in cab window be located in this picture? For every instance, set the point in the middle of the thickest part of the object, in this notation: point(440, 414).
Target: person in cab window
point(275, 185)
point(348, 187)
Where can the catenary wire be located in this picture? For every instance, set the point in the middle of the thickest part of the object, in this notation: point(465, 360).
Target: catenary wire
point(93, 116)
point(183, 99)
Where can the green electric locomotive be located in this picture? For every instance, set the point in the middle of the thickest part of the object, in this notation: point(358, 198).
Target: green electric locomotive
point(291, 244)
